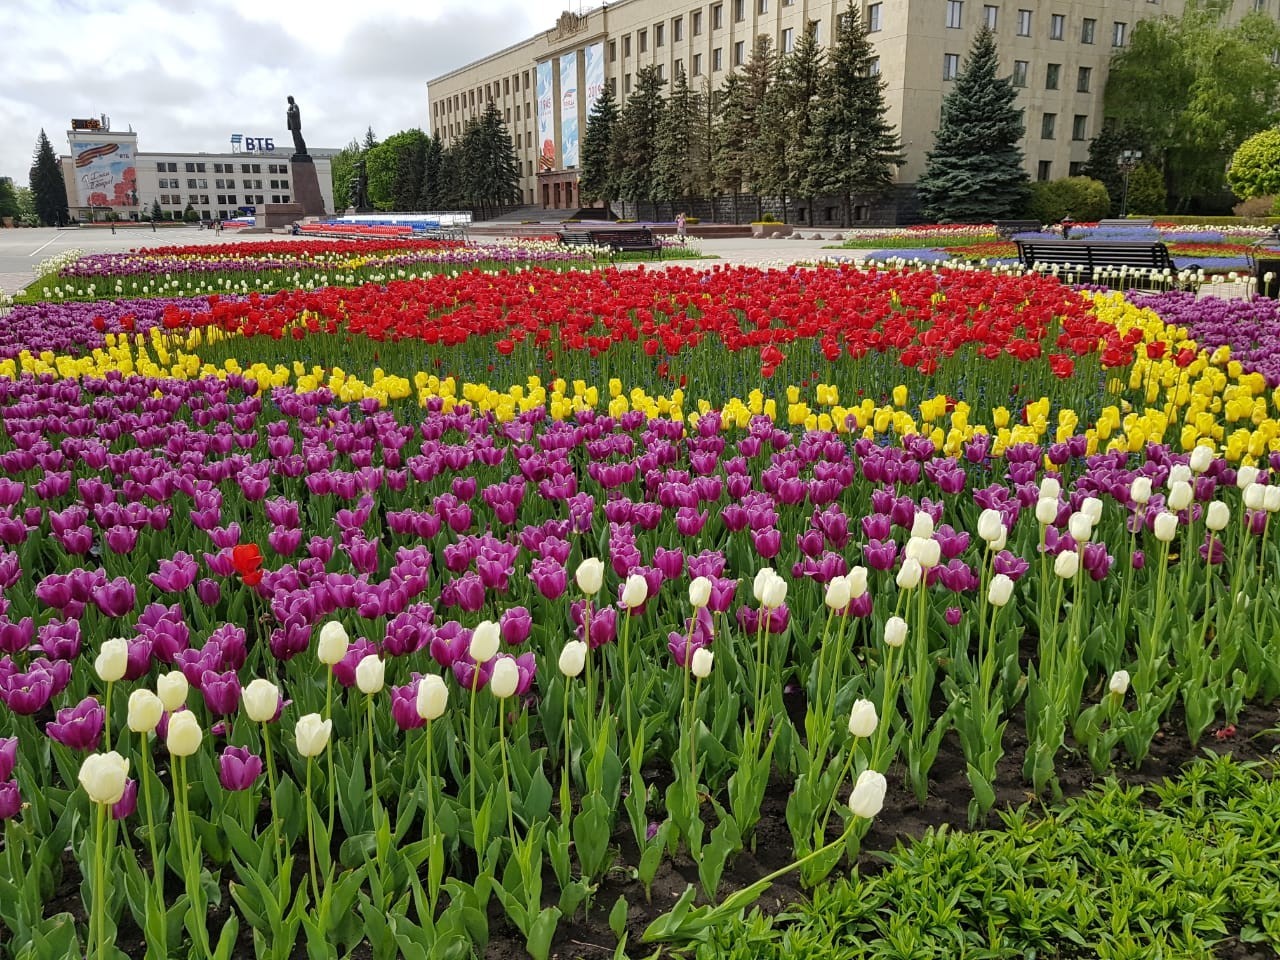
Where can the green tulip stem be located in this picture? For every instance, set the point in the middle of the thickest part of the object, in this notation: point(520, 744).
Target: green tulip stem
point(311, 838)
point(693, 720)
point(157, 865)
point(506, 776)
point(100, 881)
point(328, 715)
point(471, 748)
point(271, 785)
point(106, 726)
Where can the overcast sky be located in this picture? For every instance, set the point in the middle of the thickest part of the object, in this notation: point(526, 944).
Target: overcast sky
point(186, 74)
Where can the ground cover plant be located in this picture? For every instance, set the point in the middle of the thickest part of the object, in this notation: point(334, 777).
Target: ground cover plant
point(396, 617)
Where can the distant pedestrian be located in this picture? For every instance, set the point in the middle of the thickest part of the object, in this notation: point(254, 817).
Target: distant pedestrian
point(1067, 224)
point(153, 224)
point(113, 229)
point(680, 226)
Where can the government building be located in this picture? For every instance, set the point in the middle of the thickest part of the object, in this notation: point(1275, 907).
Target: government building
point(105, 174)
point(1056, 52)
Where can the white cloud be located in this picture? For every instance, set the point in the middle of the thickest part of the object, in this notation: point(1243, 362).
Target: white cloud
point(186, 74)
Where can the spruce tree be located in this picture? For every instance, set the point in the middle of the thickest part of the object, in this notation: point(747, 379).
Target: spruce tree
point(156, 212)
point(680, 171)
point(634, 144)
point(772, 150)
point(370, 141)
point(491, 171)
point(974, 172)
point(596, 179)
point(737, 133)
point(854, 149)
point(406, 185)
point(795, 122)
point(47, 185)
point(432, 159)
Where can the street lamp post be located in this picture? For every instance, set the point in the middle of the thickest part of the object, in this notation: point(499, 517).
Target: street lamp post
point(1127, 162)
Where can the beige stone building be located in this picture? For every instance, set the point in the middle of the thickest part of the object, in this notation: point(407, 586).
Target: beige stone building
point(1057, 52)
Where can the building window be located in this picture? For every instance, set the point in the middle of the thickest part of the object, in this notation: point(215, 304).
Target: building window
point(1051, 74)
point(1083, 78)
point(199, 168)
point(191, 183)
point(160, 168)
point(677, 29)
point(989, 15)
point(613, 51)
point(659, 34)
point(717, 16)
point(1044, 170)
point(642, 40)
point(1075, 168)
point(677, 67)
point(738, 51)
point(626, 84)
point(1086, 30)
point(873, 17)
point(1057, 26)
point(950, 65)
point(1118, 30)
point(739, 10)
point(717, 60)
point(697, 23)
point(1024, 23)
point(788, 40)
point(1078, 124)
point(662, 71)
point(1047, 123)
point(697, 64)
point(955, 9)
point(1020, 72)
point(814, 29)
point(762, 7)
point(191, 168)
point(873, 67)
point(626, 45)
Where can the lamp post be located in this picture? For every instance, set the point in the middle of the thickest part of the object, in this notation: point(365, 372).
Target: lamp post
point(1127, 162)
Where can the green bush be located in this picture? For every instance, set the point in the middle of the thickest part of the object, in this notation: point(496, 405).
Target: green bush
point(1255, 166)
point(1080, 198)
point(1146, 190)
point(190, 215)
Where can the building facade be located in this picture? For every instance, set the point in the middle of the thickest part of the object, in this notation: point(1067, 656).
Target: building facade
point(104, 172)
point(1056, 51)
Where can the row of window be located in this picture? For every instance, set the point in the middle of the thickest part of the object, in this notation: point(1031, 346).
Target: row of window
point(1052, 73)
point(202, 199)
point(167, 167)
point(695, 27)
point(1044, 169)
point(991, 16)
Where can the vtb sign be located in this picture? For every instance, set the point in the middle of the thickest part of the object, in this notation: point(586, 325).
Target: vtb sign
point(242, 144)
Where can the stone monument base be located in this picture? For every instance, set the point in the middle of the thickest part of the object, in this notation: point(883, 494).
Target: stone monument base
point(279, 215)
point(306, 186)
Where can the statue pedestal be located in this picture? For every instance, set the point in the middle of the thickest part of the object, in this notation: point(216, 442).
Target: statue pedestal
point(306, 185)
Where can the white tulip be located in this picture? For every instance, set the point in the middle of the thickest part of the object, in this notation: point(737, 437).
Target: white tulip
point(700, 664)
point(433, 697)
point(1091, 507)
point(312, 734)
point(145, 709)
point(104, 776)
point(1179, 495)
point(172, 688)
point(1179, 473)
point(1218, 515)
point(1246, 475)
point(261, 700)
point(112, 659)
point(1050, 488)
point(990, 524)
point(867, 798)
point(1271, 498)
point(1080, 527)
point(895, 631)
point(699, 592)
point(484, 641)
point(1140, 490)
point(573, 658)
point(1255, 496)
point(775, 594)
point(996, 545)
point(927, 552)
point(1201, 459)
point(857, 580)
point(333, 643)
point(763, 576)
point(1046, 511)
point(1066, 564)
point(909, 574)
point(837, 595)
point(184, 734)
point(371, 673)
point(635, 592)
point(505, 678)
point(590, 576)
point(1166, 526)
point(1000, 590)
point(863, 719)
point(922, 526)
point(1119, 684)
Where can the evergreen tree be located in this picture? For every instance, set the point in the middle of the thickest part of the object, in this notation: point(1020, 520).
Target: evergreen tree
point(432, 160)
point(854, 149)
point(633, 149)
point(449, 192)
point(370, 141)
point(799, 89)
point(1104, 152)
point(596, 177)
point(974, 172)
point(406, 185)
point(491, 171)
point(156, 212)
point(680, 170)
point(47, 185)
point(738, 130)
point(772, 151)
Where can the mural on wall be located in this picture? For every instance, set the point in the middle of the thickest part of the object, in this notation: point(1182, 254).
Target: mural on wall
point(105, 174)
point(546, 118)
point(569, 108)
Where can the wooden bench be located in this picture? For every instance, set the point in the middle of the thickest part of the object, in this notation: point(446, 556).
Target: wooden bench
point(1007, 228)
point(625, 241)
point(577, 238)
point(1089, 261)
point(1136, 223)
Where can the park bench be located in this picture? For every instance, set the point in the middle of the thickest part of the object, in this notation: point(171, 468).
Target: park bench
point(1134, 223)
point(618, 241)
point(1007, 228)
point(577, 238)
point(1089, 261)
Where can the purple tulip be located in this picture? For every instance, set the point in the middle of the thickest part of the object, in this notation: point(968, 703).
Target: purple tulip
point(952, 616)
point(404, 706)
point(28, 693)
point(78, 727)
point(116, 597)
point(515, 623)
point(549, 577)
point(60, 639)
point(8, 756)
point(880, 555)
point(238, 768)
point(221, 692)
point(128, 802)
point(16, 637)
point(10, 800)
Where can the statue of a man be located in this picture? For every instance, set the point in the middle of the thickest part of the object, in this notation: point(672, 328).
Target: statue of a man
point(293, 120)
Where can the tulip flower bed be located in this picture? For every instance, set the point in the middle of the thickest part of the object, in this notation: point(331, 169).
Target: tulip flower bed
point(291, 657)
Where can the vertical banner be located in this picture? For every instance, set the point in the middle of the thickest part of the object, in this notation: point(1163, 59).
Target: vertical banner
point(546, 118)
point(569, 109)
point(594, 74)
point(105, 173)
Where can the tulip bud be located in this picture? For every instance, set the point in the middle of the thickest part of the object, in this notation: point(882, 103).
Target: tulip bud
point(1080, 527)
point(1179, 495)
point(909, 574)
point(1271, 498)
point(699, 592)
point(775, 594)
point(1166, 526)
point(112, 659)
point(505, 678)
point(1218, 515)
point(922, 526)
point(261, 700)
point(837, 595)
point(857, 580)
point(1119, 684)
point(763, 576)
point(1255, 496)
point(573, 658)
point(700, 664)
point(1066, 564)
point(895, 631)
point(1091, 507)
point(172, 690)
point(333, 643)
point(863, 719)
point(990, 524)
point(1050, 488)
point(1179, 473)
point(433, 697)
point(370, 673)
point(1201, 459)
point(590, 576)
point(1046, 511)
point(926, 552)
point(1140, 490)
point(1246, 475)
point(867, 798)
point(184, 734)
point(635, 592)
point(104, 776)
point(312, 734)
point(484, 641)
point(145, 709)
point(1000, 591)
